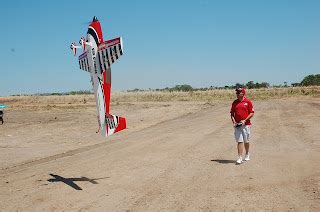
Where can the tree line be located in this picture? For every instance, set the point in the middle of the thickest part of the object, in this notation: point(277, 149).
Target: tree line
point(309, 80)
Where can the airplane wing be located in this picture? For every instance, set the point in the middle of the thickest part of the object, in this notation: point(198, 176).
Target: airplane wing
point(109, 51)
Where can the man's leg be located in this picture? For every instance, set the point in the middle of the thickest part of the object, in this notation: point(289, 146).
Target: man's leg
point(246, 146)
point(240, 146)
point(240, 149)
point(246, 135)
point(240, 152)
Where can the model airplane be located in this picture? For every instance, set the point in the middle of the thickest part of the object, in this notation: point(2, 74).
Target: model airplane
point(97, 57)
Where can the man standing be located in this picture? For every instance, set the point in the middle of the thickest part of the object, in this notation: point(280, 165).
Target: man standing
point(241, 113)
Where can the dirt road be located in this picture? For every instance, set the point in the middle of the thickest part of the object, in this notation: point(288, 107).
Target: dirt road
point(174, 157)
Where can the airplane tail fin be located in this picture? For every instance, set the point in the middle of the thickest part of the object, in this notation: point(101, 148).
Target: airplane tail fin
point(122, 124)
point(114, 124)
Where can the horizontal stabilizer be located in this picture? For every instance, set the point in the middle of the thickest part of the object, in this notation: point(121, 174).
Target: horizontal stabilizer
point(83, 62)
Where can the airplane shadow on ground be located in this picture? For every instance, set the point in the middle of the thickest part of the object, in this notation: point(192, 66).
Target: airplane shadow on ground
point(70, 181)
point(224, 161)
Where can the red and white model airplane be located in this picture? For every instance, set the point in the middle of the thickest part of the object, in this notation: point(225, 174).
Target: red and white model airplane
point(97, 57)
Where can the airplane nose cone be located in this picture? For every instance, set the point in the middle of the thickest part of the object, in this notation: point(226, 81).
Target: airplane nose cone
point(94, 19)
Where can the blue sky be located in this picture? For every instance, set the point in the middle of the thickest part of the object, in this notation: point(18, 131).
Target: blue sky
point(166, 43)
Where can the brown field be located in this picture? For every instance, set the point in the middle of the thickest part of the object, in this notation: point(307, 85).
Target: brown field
point(178, 153)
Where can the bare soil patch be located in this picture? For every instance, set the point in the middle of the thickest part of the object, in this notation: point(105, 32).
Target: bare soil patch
point(174, 156)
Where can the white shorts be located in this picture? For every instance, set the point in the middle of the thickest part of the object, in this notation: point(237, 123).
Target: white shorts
point(242, 134)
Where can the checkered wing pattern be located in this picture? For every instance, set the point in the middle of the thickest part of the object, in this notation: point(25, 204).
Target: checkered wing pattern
point(83, 62)
point(109, 51)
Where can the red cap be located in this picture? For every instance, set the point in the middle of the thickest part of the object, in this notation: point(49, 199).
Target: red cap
point(241, 90)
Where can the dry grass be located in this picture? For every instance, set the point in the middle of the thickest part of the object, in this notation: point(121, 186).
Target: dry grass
point(51, 102)
point(216, 94)
point(48, 102)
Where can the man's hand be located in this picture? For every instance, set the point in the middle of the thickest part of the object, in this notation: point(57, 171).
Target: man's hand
point(243, 122)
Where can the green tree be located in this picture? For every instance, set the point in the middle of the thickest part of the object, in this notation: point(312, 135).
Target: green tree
point(184, 87)
point(311, 80)
point(265, 85)
point(239, 85)
point(250, 84)
point(295, 84)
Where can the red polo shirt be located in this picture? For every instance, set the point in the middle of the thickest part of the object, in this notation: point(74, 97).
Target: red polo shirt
point(242, 109)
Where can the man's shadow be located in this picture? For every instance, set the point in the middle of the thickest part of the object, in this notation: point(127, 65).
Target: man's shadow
point(223, 161)
point(70, 181)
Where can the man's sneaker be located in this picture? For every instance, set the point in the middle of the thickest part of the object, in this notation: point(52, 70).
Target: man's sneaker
point(247, 157)
point(239, 161)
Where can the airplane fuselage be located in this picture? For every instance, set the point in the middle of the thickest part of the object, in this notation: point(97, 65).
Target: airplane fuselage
point(97, 59)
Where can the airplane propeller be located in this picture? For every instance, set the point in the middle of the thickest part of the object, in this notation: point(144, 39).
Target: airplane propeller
point(89, 22)
point(86, 23)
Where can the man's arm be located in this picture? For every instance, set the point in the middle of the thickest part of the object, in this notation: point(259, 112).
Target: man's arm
point(232, 119)
point(232, 114)
point(248, 118)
